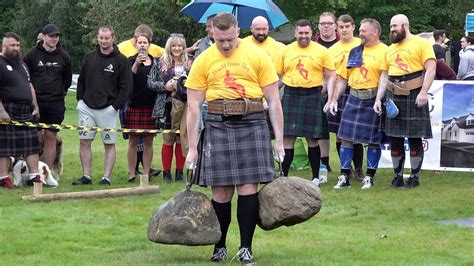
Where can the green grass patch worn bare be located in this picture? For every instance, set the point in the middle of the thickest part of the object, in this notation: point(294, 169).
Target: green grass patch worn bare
point(362, 227)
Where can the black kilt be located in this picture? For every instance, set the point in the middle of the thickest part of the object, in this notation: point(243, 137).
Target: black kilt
point(303, 113)
point(359, 122)
point(335, 120)
point(235, 152)
point(411, 121)
point(18, 140)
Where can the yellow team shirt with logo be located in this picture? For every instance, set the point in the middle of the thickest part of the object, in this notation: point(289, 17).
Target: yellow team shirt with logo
point(304, 67)
point(128, 49)
point(409, 56)
point(241, 75)
point(340, 50)
point(366, 76)
point(270, 45)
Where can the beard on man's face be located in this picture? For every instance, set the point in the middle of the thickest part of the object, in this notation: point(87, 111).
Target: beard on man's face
point(260, 37)
point(13, 57)
point(396, 37)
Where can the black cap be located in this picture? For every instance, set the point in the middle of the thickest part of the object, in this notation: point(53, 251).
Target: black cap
point(50, 29)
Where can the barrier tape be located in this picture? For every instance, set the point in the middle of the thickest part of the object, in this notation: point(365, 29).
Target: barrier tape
point(83, 128)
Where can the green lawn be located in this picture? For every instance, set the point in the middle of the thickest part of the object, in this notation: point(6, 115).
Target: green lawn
point(348, 229)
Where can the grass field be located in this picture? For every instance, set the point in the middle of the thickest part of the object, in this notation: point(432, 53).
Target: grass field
point(378, 226)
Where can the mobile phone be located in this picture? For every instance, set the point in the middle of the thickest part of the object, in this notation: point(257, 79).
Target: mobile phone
point(143, 51)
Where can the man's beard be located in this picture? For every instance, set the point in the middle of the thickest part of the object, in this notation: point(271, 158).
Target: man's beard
point(260, 37)
point(13, 58)
point(396, 37)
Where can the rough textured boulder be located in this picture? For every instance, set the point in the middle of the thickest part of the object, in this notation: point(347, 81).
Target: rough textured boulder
point(288, 201)
point(186, 219)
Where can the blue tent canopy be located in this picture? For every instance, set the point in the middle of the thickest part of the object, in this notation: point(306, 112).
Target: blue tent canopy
point(469, 22)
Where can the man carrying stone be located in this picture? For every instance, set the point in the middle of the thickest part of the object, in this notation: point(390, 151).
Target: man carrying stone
point(51, 75)
point(411, 66)
point(102, 89)
point(17, 102)
point(235, 147)
point(303, 65)
point(361, 70)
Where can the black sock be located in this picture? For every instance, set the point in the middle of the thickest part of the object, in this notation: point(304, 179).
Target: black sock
point(223, 212)
point(314, 154)
point(289, 153)
point(325, 160)
point(139, 160)
point(358, 155)
point(371, 172)
point(338, 148)
point(247, 216)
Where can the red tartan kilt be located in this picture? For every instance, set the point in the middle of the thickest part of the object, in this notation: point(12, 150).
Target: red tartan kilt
point(139, 118)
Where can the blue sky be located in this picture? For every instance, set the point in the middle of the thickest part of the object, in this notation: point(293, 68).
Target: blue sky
point(458, 100)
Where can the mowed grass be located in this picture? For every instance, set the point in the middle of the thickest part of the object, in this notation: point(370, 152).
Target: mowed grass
point(378, 226)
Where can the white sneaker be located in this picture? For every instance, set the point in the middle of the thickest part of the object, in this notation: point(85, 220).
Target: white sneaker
point(342, 182)
point(323, 179)
point(367, 182)
point(316, 181)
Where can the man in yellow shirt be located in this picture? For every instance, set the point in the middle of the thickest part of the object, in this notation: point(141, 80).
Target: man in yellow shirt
point(303, 65)
point(361, 69)
point(128, 48)
point(411, 65)
point(235, 146)
point(339, 52)
point(261, 39)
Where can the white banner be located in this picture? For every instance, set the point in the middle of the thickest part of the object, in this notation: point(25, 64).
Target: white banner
point(452, 122)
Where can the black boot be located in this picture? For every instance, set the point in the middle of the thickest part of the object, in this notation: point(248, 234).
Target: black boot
point(397, 182)
point(179, 176)
point(167, 176)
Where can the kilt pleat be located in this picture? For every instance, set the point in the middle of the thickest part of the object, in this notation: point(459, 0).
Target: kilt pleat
point(139, 118)
point(335, 120)
point(359, 122)
point(235, 153)
point(411, 121)
point(303, 113)
point(18, 140)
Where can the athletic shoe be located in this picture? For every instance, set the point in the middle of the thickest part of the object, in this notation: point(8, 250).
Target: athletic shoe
point(412, 182)
point(367, 182)
point(316, 181)
point(397, 182)
point(6, 182)
point(82, 181)
point(179, 176)
point(155, 172)
point(219, 255)
point(36, 179)
point(132, 179)
point(167, 176)
point(342, 182)
point(104, 181)
point(245, 256)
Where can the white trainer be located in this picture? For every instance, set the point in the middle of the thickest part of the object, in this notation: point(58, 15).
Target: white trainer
point(316, 181)
point(367, 182)
point(342, 182)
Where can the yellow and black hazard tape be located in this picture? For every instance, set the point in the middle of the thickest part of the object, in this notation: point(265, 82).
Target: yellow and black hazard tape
point(83, 128)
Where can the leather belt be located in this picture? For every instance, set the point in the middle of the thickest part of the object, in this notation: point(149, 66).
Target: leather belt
point(242, 106)
point(404, 87)
point(364, 94)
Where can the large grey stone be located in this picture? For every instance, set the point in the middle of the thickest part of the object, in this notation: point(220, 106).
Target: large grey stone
point(188, 218)
point(288, 201)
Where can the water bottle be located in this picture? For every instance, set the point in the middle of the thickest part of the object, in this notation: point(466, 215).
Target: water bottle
point(323, 173)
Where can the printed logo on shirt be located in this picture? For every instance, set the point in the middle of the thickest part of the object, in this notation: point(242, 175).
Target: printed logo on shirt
point(107, 137)
point(40, 63)
point(48, 64)
point(9, 68)
point(109, 68)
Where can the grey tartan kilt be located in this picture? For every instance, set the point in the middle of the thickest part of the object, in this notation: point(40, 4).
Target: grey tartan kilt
point(359, 122)
point(411, 122)
point(18, 140)
point(303, 113)
point(334, 121)
point(235, 152)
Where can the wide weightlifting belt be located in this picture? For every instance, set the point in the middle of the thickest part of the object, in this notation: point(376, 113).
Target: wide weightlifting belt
point(242, 106)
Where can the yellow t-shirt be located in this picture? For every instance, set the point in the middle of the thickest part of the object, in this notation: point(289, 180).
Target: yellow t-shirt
point(340, 50)
point(241, 75)
point(304, 67)
point(270, 45)
point(128, 49)
point(366, 76)
point(409, 56)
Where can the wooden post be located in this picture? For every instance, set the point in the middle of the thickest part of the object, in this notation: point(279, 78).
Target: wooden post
point(37, 188)
point(144, 181)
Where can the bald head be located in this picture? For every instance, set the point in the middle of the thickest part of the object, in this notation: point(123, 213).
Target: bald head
point(399, 18)
point(399, 28)
point(259, 28)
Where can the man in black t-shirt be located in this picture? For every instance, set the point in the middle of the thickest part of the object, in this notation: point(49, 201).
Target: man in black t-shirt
point(17, 102)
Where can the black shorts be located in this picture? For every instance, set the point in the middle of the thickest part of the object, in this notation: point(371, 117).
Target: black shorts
point(52, 112)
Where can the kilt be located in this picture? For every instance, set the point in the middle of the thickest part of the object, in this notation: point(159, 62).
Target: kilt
point(359, 122)
point(335, 120)
point(18, 140)
point(235, 151)
point(303, 113)
point(411, 121)
point(139, 118)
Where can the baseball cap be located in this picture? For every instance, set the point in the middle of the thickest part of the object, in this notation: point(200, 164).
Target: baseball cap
point(50, 29)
